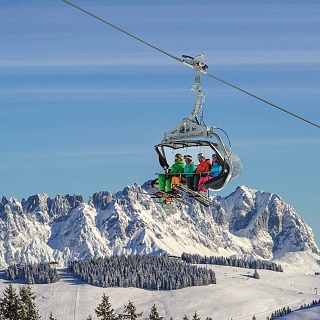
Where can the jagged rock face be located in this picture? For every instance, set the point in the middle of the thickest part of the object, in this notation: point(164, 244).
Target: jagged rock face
point(101, 200)
point(59, 207)
point(37, 207)
point(248, 222)
point(267, 221)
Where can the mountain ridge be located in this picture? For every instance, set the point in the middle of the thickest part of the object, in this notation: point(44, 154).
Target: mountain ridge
point(247, 223)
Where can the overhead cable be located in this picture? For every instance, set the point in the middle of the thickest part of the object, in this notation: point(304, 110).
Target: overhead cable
point(263, 100)
point(182, 60)
point(124, 31)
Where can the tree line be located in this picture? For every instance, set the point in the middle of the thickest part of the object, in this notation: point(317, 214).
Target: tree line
point(33, 273)
point(279, 313)
point(146, 272)
point(232, 262)
point(285, 310)
point(308, 305)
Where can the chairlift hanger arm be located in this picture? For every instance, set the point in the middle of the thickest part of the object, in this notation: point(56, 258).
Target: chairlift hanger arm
point(187, 61)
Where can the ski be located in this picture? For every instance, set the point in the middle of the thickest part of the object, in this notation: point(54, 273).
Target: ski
point(167, 197)
point(191, 193)
point(170, 198)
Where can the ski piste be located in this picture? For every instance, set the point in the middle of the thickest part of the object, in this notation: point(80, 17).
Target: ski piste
point(197, 196)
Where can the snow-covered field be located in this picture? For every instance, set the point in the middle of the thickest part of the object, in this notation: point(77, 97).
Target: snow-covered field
point(236, 295)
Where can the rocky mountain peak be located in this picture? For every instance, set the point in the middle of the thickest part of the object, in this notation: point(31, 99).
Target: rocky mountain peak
point(248, 221)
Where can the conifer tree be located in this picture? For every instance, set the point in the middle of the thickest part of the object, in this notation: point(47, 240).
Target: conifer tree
point(185, 318)
point(196, 317)
point(130, 312)
point(154, 314)
point(256, 274)
point(27, 298)
point(52, 317)
point(104, 310)
point(10, 305)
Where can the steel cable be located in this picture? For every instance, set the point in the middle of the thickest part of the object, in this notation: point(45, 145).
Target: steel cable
point(263, 100)
point(183, 61)
point(119, 29)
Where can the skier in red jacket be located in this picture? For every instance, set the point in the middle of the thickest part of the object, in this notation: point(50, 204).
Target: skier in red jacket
point(203, 169)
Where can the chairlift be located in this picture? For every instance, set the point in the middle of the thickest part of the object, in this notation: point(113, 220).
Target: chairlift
point(185, 136)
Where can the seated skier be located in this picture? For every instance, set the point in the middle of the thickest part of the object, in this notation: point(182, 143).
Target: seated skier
point(173, 177)
point(215, 171)
point(189, 171)
point(203, 169)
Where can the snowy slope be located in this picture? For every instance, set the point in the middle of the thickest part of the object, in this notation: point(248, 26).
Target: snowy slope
point(247, 223)
point(236, 295)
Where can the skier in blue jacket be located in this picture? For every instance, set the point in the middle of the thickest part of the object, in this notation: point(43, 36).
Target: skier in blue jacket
point(215, 167)
point(215, 171)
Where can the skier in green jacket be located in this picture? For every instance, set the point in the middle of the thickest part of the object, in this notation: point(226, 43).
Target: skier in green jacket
point(177, 168)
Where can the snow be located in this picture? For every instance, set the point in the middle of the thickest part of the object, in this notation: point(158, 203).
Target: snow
point(312, 313)
point(252, 223)
point(236, 295)
point(131, 222)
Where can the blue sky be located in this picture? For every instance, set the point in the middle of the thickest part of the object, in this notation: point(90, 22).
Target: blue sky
point(83, 105)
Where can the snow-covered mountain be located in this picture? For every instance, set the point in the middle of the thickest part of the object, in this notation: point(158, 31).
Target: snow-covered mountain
point(247, 222)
